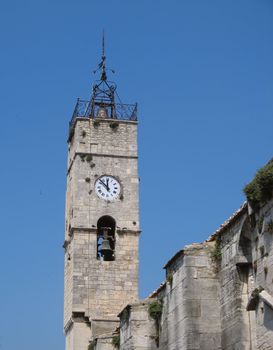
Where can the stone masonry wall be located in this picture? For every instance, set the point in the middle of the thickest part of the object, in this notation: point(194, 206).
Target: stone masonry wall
point(262, 261)
point(235, 288)
point(68, 285)
point(191, 302)
point(112, 152)
point(98, 290)
point(86, 208)
point(246, 266)
point(77, 336)
point(137, 328)
point(219, 294)
point(191, 311)
point(102, 288)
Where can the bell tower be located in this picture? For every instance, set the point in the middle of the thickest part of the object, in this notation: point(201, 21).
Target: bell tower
point(102, 215)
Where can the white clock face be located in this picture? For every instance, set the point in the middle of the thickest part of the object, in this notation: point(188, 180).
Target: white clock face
point(107, 188)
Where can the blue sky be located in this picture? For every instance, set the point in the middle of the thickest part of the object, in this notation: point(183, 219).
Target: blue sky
point(202, 74)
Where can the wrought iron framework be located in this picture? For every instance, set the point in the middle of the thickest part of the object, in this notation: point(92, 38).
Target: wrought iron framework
point(103, 97)
point(91, 108)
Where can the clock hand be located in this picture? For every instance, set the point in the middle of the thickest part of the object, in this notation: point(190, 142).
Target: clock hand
point(104, 184)
point(107, 184)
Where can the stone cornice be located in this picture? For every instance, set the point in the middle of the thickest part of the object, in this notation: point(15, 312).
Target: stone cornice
point(93, 230)
point(104, 319)
point(107, 120)
point(130, 232)
point(68, 325)
point(99, 155)
point(76, 318)
point(84, 229)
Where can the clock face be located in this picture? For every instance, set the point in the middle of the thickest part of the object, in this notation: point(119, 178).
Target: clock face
point(107, 188)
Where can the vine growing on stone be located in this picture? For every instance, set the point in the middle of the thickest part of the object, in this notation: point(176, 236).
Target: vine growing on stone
point(155, 311)
point(116, 341)
point(216, 254)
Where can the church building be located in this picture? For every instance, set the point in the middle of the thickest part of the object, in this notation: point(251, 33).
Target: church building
point(218, 295)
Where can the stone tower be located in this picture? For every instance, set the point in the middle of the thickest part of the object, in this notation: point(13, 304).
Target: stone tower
point(102, 216)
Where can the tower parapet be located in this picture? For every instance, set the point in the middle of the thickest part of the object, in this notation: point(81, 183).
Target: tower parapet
point(98, 108)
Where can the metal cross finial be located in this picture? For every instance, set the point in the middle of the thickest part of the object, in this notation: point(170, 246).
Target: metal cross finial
point(103, 59)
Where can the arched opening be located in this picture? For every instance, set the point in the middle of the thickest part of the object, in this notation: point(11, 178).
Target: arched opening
point(245, 244)
point(106, 227)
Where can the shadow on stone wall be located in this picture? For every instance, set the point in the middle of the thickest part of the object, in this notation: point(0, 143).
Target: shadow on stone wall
point(268, 317)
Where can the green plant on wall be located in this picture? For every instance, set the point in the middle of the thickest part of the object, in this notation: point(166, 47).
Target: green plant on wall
point(155, 311)
point(92, 345)
point(169, 277)
point(96, 123)
point(82, 156)
point(255, 293)
point(114, 125)
point(116, 341)
point(260, 189)
point(216, 254)
point(89, 158)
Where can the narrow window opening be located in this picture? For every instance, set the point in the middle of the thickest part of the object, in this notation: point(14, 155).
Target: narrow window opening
point(106, 238)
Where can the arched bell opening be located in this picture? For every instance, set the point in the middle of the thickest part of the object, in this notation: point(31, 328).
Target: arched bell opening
point(106, 227)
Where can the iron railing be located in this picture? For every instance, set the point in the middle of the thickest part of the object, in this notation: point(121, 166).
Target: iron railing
point(90, 109)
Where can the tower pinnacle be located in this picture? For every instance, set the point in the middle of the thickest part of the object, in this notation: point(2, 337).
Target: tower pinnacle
point(102, 64)
point(103, 59)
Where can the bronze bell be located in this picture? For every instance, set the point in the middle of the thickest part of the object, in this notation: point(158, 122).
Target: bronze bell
point(102, 113)
point(106, 250)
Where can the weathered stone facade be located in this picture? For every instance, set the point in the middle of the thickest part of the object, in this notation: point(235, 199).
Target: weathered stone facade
point(217, 295)
point(96, 290)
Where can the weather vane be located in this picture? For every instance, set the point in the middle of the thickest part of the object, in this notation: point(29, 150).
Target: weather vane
point(102, 65)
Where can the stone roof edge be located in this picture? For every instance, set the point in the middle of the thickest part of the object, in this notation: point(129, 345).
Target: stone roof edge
point(158, 290)
point(226, 224)
point(212, 237)
point(243, 208)
point(135, 303)
point(176, 255)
